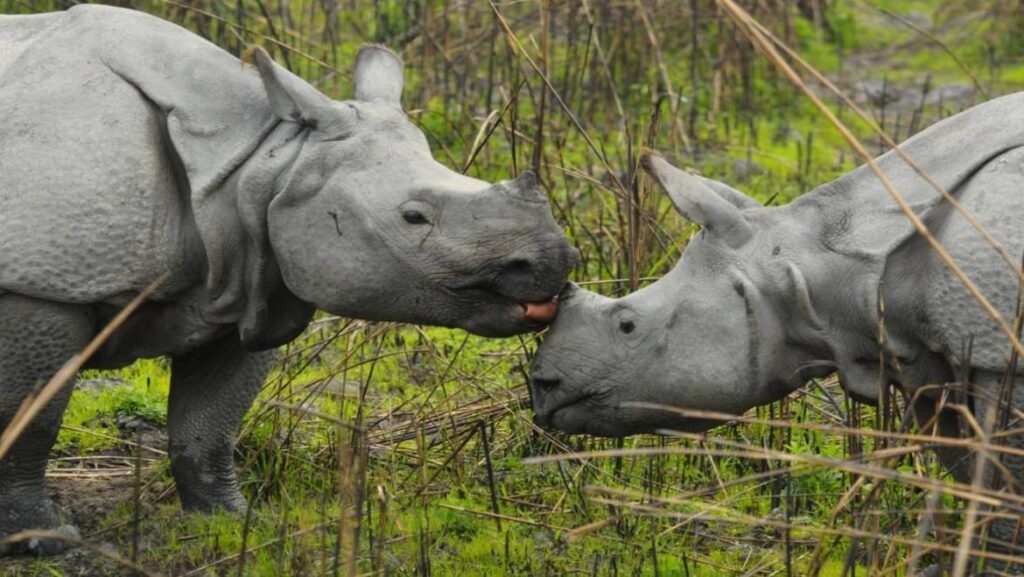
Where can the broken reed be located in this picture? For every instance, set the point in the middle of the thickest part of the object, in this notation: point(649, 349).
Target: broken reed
point(571, 90)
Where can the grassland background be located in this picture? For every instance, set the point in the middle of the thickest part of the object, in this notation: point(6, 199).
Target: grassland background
point(438, 483)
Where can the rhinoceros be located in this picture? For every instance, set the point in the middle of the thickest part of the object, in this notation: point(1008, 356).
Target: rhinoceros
point(766, 298)
point(130, 148)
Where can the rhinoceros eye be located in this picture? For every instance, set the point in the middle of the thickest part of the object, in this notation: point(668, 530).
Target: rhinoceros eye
point(414, 217)
point(627, 326)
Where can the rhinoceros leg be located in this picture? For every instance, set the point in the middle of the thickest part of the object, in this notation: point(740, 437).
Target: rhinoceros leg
point(36, 338)
point(1009, 531)
point(211, 390)
point(953, 459)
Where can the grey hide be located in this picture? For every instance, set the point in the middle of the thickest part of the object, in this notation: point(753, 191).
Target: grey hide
point(130, 147)
point(765, 299)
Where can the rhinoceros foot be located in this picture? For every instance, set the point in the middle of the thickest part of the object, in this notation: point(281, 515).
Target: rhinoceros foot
point(213, 501)
point(20, 518)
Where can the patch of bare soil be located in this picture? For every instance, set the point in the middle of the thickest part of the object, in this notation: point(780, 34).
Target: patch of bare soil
point(88, 488)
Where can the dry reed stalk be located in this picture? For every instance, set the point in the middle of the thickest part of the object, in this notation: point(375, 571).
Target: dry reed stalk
point(835, 429)
point(514, 42)
point(963, 551)
point(966, 492)
point(487, 128)
point(94, 474)
point(582, 531)
point(848, 496)
point(234, 26)
point(313, 413)
point(111, 438)
point(677, 130)
point(744, 519)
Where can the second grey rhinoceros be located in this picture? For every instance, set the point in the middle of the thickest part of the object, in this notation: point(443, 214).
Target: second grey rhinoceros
point(766, 298)
point(130, 148)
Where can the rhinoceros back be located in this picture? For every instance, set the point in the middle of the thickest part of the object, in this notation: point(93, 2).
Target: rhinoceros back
point(17, 33)
point(104, 132)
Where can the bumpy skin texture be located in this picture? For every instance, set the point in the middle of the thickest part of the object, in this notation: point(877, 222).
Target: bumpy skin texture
point(766, 298)
point(130, 148)
point(211, 390)
point(36, 338)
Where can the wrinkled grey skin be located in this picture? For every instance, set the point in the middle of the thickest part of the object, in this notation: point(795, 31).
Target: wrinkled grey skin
point(764, 299)
point(130, 147)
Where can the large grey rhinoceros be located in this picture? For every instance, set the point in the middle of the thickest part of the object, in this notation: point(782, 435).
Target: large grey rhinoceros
point(765, 299)
point(130, 147)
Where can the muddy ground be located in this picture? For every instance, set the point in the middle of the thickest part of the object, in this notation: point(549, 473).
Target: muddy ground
point(89, 490)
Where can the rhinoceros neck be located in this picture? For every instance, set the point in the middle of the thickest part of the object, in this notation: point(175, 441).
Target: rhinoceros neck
point(828, 299)
point(852, 226)
point(245, 281)
point(850, 318)
point(231, 148)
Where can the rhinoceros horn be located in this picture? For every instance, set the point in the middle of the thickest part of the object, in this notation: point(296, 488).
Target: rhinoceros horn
point(525, 187)
point(698, 202)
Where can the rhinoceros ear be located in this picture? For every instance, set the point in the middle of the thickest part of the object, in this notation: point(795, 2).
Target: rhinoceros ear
point(291, 98)
point(696, 201)
point(378, 75)
point(737, 198)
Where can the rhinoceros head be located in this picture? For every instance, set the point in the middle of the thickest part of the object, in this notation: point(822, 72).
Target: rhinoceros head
point(366, 224)
point(712, 335)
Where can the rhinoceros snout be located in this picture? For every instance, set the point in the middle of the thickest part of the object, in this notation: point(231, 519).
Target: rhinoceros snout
point(542, 384)
point(543, 389)
point(537, 275)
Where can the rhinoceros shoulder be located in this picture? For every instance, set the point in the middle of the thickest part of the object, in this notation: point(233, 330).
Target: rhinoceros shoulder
point(949, 152)
point(19, 33)
point(89, 205)
point(117, 133)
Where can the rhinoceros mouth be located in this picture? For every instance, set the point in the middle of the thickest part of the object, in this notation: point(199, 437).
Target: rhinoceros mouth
point(547, 418)
point(535, 315)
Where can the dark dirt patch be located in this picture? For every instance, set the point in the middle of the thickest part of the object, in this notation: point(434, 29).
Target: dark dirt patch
point(89, 491)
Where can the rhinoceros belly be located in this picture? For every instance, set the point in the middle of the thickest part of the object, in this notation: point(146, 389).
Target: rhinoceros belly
point(89, 205)
point(995, 197)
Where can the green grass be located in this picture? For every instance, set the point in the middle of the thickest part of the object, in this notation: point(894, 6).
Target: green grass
point(96, 411)
point(291, 470)
point(420, 474)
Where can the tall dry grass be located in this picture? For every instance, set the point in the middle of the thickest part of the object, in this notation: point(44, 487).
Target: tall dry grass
point(573, 90)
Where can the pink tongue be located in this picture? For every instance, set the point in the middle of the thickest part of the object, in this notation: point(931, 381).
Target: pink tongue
point(540, 312)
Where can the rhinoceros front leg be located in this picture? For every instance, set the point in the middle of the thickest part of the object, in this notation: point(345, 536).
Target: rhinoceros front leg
point(211, 390)
point(36, 338)
point(1006, 532)
point(947, 424)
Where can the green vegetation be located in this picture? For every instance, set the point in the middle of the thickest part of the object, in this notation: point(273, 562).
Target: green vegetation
point(406, 484)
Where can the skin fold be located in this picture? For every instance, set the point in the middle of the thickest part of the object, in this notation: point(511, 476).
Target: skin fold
point(130, 148)
point(766, 298)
